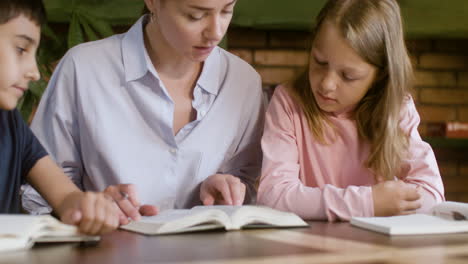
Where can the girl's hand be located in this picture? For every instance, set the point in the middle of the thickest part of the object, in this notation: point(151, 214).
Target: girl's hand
point(222, 189)
point(93, 213)
point(395, 198)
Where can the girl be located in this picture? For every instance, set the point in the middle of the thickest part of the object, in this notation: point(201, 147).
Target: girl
point(342, 141)
point(161, 107)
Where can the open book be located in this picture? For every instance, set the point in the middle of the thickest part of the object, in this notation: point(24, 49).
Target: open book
point(22, 231)
point(214, 217)
point(446, 217)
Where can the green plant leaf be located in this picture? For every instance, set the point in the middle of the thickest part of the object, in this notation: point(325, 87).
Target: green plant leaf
point(59, 10)
point(26, 105)
point(88, 30)
point(101, 26)
point(38, 88)
point(115, 12)
point(75, 34)
point(48, 32)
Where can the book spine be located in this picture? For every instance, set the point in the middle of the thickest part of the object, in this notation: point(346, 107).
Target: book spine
point(447, 129)
point(456, 130)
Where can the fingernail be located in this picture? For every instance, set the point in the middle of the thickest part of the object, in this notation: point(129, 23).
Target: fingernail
point(137, 218)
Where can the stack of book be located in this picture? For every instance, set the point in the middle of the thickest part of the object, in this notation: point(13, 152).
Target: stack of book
point(448, 129)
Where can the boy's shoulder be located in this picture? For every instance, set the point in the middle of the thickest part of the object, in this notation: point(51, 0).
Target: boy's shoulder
point(12, 124)
point(9, 117)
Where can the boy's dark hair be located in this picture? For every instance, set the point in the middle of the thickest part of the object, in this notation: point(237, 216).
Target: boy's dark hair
point(32, 9)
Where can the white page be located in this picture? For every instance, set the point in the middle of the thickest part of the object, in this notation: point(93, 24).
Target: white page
point(230, 210)
point(18, 225)
point(178, 220)
point(256, 216)
point(410, 224)
point(166, 216)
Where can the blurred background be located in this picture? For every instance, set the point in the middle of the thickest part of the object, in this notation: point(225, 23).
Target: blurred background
point(274, 36)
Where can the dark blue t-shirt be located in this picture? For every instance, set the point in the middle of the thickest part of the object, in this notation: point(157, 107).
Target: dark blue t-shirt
point(19, 152)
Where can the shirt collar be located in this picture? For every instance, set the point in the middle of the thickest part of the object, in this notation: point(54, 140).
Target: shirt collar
point(210, 76)
point(134, 52)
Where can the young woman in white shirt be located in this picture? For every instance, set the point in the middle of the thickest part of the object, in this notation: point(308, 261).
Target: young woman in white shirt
point(159, 115)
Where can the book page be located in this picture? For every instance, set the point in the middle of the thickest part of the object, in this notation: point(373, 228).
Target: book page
point(179, 220)
point(451, 210)
point(415, 224)
point(258, 216)
point(229, 210)
point(166, 216)
point(18, 225)
point(261, 216)
point(52, 227)
point(22, 231)
point(14, 243)
point(18, 231)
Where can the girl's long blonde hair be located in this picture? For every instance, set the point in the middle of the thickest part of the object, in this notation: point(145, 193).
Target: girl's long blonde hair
point(374, 30)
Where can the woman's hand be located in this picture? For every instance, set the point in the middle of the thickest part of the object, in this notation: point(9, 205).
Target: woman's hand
point(125, 197)
point(222, 189)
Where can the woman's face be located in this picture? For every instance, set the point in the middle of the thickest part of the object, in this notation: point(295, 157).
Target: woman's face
point(192, 28)
point(338, 76)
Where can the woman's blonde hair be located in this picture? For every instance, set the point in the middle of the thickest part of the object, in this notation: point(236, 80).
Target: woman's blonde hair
point(373, 28)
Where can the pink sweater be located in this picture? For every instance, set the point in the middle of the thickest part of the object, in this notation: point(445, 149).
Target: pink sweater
point(319, 181)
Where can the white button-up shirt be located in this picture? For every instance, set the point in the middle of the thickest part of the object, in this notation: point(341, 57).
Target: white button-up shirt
point(106, 118)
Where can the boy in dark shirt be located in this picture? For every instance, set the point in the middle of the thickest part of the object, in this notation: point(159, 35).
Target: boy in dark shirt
point(22, 158)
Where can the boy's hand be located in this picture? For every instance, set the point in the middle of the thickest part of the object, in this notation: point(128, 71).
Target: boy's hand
point(93, 213)
point(125, 197)
point(395, 198)
point(222, 189)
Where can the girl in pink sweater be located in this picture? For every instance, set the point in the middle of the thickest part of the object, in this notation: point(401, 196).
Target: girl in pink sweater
point(342, 140)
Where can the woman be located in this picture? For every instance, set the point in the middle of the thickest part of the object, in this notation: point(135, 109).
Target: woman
point(160, 107)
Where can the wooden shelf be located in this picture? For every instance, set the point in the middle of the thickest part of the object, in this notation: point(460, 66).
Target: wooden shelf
point(454, 143)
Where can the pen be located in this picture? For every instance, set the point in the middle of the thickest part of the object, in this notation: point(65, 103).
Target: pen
point(457, 216)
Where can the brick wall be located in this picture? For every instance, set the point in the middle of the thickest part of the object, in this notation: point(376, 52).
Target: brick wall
point(441, 85)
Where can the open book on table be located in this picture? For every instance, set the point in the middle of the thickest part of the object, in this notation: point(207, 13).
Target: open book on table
point(214, 217)
point(22, 231)
point(444, 218)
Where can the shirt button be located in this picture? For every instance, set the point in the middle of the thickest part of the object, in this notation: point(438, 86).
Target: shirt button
point(173, 150)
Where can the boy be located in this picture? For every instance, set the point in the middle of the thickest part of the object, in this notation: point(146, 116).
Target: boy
point(22, 158)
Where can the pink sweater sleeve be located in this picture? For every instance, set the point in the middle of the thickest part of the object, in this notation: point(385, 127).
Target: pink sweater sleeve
point(420, 168)
point(280, 184)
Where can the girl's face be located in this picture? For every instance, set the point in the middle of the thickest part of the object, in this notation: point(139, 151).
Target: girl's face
point(192, 28)
point(338, 76)
point(19, 39)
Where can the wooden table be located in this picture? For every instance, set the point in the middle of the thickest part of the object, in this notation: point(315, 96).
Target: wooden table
point(320, 243)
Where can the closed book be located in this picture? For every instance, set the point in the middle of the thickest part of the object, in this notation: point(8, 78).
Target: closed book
point(444, 218)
